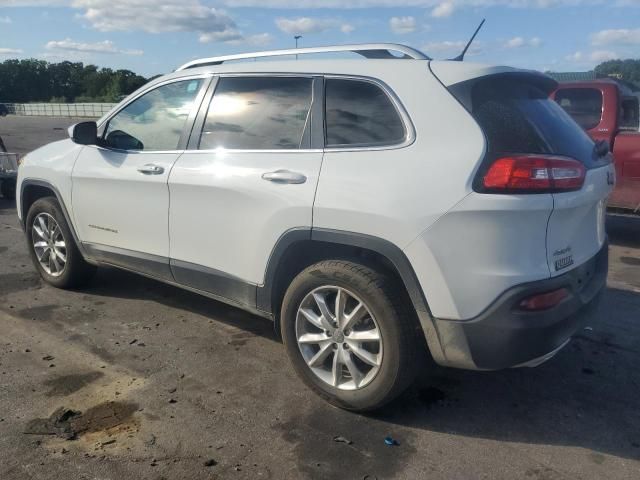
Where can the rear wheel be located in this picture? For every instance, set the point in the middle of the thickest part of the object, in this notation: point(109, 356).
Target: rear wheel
point(52, 248)
point(348, 335)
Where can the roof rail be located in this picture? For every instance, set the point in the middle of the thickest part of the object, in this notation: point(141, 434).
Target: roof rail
point(367, 50)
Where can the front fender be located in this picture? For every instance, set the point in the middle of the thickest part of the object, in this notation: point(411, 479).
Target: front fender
point(51, 164)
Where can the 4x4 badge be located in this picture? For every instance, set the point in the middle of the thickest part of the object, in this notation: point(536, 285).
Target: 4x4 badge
point(611, 178)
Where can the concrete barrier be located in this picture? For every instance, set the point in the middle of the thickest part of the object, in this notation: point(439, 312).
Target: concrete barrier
point(91, 110)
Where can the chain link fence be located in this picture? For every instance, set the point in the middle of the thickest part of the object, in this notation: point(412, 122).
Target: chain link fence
point(90, 110)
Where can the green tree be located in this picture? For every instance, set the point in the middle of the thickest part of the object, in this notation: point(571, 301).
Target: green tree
point(32, 80)
point(628, 70)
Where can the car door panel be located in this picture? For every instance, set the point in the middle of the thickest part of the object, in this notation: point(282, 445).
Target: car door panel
point(117, 205)
point(229, 206)
point(226, 217)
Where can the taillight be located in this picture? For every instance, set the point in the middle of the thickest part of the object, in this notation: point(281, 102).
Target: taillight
point(533, 174)
point(544, 301)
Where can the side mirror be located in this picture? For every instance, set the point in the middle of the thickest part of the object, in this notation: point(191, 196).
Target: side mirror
point(84, 133)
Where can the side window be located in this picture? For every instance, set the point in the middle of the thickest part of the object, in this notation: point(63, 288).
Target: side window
point(630, 113)
point(257, 113)
point(155, 120)
point(359, 113)
point(583, 104)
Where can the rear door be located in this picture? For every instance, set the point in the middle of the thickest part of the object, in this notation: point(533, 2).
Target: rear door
point(249, 175)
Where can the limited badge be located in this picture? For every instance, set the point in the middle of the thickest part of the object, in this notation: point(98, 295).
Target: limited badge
point(564, 262)
point(566, 258)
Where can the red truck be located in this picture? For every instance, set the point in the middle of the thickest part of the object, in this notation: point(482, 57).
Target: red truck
point(609, 111)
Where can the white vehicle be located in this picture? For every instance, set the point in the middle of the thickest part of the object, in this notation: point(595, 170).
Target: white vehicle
point(370, 207)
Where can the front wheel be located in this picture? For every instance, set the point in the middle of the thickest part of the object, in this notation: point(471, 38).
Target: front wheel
point(348, 334)
point(52, 248)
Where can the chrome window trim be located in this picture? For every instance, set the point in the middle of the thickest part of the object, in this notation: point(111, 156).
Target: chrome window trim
point(247, 150)
point(407, 123)
point(409, 128)
point(134, 152)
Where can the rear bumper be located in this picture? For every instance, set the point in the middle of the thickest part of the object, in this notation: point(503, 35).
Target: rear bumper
point(503, 336)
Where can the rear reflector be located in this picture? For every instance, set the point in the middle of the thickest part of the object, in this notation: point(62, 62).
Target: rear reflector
point(544, 301)
point(533, 174)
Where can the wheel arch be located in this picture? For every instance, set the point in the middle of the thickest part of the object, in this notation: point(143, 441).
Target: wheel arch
point(32, 190)
point(299, 248)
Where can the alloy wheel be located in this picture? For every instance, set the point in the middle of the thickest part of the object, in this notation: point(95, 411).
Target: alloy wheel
point(339, 338)
point(49, 244)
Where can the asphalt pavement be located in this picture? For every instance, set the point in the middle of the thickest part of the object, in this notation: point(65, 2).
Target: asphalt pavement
point(129, 378)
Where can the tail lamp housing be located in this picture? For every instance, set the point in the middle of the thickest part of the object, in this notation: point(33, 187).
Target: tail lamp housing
point(531, 174)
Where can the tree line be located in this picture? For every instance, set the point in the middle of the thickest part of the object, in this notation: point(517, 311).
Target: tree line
point(627, 70)
point(32, 80)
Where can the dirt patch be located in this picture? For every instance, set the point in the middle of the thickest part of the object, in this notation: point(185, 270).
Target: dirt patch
point(630, 260)
point(18, 282)
point(71, 424)
point(68, 384)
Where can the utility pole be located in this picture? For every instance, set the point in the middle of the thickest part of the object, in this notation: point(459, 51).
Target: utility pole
point(297, 37)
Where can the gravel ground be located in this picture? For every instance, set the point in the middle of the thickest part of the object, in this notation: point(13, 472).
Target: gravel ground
point(155, 382)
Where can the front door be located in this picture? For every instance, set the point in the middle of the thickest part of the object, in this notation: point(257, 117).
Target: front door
point(120, 195)
point(249, 176)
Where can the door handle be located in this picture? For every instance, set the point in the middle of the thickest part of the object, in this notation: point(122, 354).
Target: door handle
point(151, 169)
point(284, 176)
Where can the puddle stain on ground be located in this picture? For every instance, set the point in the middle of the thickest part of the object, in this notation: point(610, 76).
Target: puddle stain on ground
point(318, 455)
point(71, 424)
point(68, 384)
point(431, 396)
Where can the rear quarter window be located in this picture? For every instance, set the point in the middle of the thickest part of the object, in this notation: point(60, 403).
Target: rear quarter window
point(360, 114)
point(583, 104)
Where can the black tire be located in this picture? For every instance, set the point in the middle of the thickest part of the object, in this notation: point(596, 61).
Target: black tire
point(8, 189)
point(387, 304)
point(77, 272)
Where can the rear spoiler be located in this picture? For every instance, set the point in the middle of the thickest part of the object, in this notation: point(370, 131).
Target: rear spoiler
point(462, 89)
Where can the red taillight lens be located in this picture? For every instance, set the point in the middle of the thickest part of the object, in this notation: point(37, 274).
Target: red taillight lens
point(533, 174)
point(544, 301)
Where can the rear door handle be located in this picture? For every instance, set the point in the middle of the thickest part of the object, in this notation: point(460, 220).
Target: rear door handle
point(284, 176)
point(151, 169)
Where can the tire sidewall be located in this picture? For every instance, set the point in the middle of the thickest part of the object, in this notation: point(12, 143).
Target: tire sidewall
point(374, 393)
point(50, 205)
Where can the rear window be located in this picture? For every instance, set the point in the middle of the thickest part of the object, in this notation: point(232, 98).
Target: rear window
point(519, 117)
point(583, 104)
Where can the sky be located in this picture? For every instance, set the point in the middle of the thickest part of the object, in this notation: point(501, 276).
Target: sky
point(156, 36)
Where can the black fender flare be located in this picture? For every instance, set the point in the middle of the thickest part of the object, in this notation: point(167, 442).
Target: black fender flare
point(378, 245)
point(43, 183)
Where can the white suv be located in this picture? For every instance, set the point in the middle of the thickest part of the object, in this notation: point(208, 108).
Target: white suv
point(369, 207)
